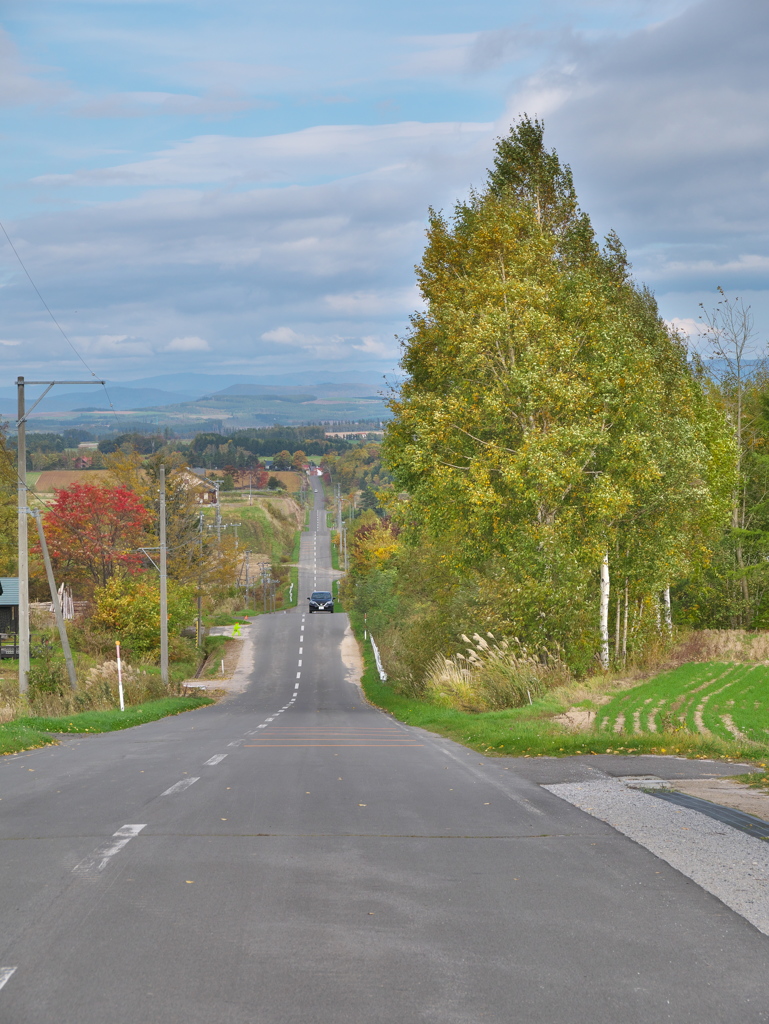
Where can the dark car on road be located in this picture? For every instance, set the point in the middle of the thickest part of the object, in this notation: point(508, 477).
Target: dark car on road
point(321, 601)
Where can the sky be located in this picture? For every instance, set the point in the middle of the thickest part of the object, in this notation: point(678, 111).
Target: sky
point(243, 186)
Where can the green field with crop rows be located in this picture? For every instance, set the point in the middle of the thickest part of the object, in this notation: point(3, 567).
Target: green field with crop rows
point(725, 700)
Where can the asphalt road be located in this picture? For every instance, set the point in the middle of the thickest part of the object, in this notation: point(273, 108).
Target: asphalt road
point(293, 856)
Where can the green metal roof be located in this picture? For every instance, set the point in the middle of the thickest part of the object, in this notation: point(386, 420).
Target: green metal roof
point(10, 594)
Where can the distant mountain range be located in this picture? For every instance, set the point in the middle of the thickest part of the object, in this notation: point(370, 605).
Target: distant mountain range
point(183, 388)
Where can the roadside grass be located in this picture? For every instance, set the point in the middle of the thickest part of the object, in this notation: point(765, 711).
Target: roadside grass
point(531, 732)
point(293, 573)
point(30, 733)
point(229, 618)
point(756, 780)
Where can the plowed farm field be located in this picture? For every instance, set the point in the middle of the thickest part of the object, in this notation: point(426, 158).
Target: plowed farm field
point(51, 480)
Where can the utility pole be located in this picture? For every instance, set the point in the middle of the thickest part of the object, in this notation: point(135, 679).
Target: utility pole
point(163, 582)
point(217, 485)
point(200, 584)
point(265, 569)
point(55, 601)
point(21, 488)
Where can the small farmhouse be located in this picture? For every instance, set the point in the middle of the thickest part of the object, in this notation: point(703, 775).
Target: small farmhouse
point(9, 605)
point(204, 493)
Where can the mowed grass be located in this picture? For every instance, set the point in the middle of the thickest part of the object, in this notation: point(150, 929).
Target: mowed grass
point(28, 733)
point(727, 701)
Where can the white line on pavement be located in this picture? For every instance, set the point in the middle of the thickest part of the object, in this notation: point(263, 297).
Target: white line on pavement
point(215, 759)
point(179, 786)
point(5, 974)
point(298, 676)
point(100, 857)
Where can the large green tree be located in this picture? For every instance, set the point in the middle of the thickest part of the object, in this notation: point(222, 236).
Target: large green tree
point(549, 426)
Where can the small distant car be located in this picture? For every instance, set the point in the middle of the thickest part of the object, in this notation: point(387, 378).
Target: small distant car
point(321, 601)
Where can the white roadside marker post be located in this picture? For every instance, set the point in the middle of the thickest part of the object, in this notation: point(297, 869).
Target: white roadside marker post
point(120, 676)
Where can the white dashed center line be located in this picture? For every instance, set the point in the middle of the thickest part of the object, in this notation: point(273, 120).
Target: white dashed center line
point(215, 759)
point(100, 857)
point(178, 787)
point(5, 974)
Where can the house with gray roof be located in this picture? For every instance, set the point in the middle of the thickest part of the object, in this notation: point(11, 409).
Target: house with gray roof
point(9, 605)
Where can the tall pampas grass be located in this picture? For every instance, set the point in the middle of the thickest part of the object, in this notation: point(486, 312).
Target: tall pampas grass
point(493, 674)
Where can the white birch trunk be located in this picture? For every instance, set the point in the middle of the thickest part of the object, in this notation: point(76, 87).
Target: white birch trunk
point(624, 625)
point(605, 611)
point(668, 614)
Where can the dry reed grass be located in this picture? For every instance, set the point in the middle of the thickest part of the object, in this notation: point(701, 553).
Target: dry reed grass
point(492, 675)
point(50, 696)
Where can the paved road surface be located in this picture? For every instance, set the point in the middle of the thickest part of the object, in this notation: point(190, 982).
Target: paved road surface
point(293, 856)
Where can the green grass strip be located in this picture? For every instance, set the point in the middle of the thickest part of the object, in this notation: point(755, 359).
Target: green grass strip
point(28, 733)
point(529, 731)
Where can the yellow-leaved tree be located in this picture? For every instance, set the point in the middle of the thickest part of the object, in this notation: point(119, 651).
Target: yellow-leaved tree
point(549, 430)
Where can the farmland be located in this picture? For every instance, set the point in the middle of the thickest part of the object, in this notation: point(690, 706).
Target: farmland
point(724, 700)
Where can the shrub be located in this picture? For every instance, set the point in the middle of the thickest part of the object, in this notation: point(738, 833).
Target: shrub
point(128, 610)
point(492, 676)
point(48, 676)
point(50, 695)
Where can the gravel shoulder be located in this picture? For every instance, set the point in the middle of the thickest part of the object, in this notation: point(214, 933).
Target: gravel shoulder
point(727, 863)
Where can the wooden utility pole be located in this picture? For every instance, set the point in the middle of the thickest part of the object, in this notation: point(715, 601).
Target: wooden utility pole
point(55, 602)
point(21, 487)
point(163, 582)
point(23, 540)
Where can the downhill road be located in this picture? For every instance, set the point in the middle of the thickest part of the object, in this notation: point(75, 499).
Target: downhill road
point(294, 856)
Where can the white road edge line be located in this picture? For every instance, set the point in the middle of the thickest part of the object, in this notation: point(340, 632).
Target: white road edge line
point(99, 859)
point(179, 786)
point(215, 759)
point(5, 974)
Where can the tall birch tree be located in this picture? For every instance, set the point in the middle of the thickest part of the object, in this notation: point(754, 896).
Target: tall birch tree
point(548, 418)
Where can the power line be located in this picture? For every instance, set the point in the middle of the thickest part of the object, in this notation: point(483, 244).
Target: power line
point(50, 313)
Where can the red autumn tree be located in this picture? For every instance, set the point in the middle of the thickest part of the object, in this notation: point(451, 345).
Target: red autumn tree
point(94, 531)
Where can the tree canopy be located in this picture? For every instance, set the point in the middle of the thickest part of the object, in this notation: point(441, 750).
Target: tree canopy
point(549, 421)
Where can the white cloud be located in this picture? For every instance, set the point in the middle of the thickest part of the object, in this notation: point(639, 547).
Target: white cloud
point(188, 344)
point(313, 153)
point(141, 104)
point(20, 84)
point(374, 303)
point(376, 347)
point(9, 344)
point(224, 236)
point(283, 336)
point(687, 326)
point(464, 53)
